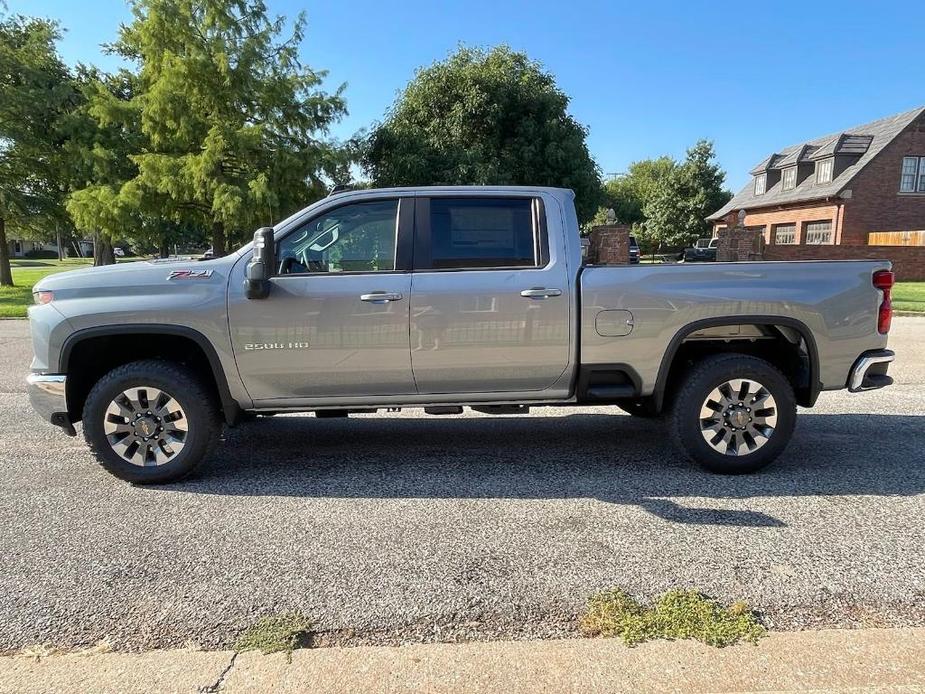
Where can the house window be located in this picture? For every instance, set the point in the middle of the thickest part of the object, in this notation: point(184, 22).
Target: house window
point(818, 233)
point(761, 182)
point(789, 178)
point(785, 234)
point(824, 171)
point(913, 175)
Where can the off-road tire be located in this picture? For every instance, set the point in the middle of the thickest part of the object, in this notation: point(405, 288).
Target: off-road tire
point(685, 422)
point(197, 402)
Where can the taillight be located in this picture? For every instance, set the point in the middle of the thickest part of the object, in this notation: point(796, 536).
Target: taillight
point(43, 297)
point(884, 280)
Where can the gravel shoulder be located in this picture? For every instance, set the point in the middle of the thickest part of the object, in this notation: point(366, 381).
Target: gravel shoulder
point(400, 527)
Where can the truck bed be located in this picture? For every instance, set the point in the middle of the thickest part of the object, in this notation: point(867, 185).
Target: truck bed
point(832, 304)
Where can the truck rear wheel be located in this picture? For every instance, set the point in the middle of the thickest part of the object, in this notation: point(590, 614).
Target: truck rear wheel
point(150, 421)
point(733, 414)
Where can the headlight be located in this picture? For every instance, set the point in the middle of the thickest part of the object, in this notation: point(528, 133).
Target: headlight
point(43, 297)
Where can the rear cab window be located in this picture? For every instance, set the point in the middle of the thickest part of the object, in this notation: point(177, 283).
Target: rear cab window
point(481, 233)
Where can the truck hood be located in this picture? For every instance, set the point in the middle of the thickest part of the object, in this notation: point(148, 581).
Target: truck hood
point(133, 276)
point(144, 290)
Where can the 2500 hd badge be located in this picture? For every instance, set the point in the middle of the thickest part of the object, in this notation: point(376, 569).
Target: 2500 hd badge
point(255, 346)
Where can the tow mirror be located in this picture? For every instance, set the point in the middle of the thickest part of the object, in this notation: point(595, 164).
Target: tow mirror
point(261, 266)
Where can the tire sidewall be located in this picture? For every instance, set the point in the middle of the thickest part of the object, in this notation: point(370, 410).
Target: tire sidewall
point(170, 380)
point(702, 382)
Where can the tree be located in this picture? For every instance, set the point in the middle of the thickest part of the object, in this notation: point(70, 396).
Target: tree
point(486, 117)
point(230, 118)
point(36, 93)
point(628, 194)
point(676, 214)
point(106, 201)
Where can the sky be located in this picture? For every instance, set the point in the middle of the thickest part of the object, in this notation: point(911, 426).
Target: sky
point(646, 78)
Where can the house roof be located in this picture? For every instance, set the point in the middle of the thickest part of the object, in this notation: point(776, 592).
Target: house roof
point(864, 142)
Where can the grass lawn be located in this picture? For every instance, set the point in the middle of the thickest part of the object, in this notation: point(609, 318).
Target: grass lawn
point(26, 272)
point(909, 296)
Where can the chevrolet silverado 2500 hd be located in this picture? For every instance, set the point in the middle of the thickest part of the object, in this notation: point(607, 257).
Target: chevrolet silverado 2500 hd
point(443, 298)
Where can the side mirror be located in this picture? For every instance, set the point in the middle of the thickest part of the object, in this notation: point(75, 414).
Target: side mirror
point(261, 266)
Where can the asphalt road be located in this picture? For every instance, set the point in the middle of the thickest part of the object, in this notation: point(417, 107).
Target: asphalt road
point(386, 528)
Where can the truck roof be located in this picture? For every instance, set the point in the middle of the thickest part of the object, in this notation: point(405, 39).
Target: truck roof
point(459, 189)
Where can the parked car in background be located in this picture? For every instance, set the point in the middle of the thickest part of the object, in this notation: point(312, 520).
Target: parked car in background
point(444, 298)
point(634, 250)
point(702, 251)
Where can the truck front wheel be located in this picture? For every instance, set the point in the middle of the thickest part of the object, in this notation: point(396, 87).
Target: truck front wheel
point(150, 421)
point(733, 414)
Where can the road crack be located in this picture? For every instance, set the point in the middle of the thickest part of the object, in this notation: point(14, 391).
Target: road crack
point(219, 684)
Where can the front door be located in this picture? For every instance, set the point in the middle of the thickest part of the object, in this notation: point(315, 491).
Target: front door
point(336, 321)
point(490, 297)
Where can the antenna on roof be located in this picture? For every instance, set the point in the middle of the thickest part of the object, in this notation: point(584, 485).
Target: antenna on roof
point(339, 188)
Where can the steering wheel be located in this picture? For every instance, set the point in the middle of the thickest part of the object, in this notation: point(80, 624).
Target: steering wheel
point(290, 265)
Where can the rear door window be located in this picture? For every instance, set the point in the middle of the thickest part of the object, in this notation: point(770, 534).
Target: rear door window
point(473, 233)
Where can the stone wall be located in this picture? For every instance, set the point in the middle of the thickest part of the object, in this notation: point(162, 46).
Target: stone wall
point(739, 243)
point(609, 245)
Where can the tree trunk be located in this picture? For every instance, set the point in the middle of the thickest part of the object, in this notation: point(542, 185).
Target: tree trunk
point(218, 239)
point(163, 249)
point(6, 274)
point(102, 251)
point(60, 243)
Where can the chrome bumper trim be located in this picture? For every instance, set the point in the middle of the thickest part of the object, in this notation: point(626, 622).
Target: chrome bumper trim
point(48, 395)
point(863, 365)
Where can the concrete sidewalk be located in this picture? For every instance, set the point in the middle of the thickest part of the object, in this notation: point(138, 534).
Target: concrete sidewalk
point(834, 660)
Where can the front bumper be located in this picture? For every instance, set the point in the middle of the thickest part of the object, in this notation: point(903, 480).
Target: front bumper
point(869, 371)
point(48, 395)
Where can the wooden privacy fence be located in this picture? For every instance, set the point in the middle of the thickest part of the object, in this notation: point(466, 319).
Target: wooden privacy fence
point(896, 238)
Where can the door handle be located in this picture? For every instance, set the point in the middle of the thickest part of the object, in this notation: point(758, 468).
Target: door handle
point(381, 297)
point(540, 293)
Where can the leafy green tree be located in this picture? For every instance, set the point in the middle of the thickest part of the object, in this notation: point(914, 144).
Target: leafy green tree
point(627, 194)
point(488, 117)
point(36, 93)
point(676, 214)
point(231, 120)
point(107, 201)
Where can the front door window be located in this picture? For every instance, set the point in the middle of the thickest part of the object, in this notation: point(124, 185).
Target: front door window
point(353, 238)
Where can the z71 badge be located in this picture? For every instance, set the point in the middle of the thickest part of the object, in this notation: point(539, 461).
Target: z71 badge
point(190, 275)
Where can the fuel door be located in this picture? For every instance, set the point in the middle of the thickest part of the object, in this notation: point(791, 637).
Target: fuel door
point(613, 323)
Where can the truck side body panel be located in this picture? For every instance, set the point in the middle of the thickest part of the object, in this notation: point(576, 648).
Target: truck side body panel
point(834, 300)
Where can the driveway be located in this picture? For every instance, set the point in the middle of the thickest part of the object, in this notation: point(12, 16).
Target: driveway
point(394, 527)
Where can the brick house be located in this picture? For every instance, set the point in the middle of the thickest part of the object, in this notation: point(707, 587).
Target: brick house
point(859, 193)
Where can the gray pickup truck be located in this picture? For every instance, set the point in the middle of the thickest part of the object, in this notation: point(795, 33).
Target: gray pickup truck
point(442, 298)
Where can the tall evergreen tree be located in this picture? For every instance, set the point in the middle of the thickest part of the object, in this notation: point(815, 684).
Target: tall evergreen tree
point(231, 120)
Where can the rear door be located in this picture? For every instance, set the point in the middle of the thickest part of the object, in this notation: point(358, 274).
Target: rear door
point(490, 298)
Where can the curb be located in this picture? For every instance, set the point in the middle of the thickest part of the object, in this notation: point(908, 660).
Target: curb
point(792, 661)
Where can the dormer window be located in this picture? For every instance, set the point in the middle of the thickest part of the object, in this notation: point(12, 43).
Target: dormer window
point(824, 170)
point(761, 182)
point(789, 178)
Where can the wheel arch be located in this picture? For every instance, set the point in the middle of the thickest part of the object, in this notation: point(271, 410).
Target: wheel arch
point(806, 394)
point(148, 340)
